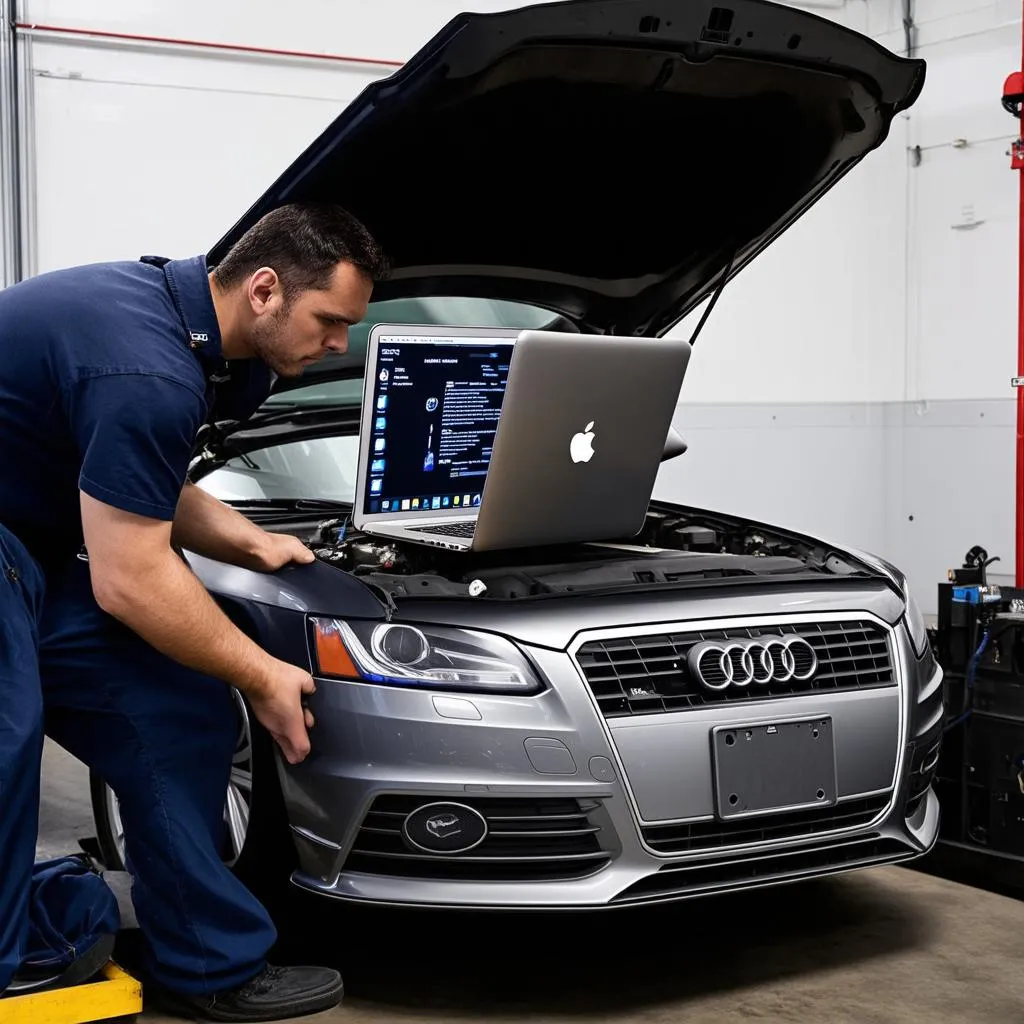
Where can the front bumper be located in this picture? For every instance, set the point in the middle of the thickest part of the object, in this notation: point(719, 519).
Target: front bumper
point(586, 811)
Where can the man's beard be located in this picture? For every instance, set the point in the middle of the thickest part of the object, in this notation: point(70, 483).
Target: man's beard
point(268, 344)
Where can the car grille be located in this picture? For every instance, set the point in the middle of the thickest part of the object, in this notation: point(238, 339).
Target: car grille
point(527, 840)
point(673, 880)
point(645, 674)
point(712, 835)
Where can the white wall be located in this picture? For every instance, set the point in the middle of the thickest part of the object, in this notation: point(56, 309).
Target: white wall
point(147, 147)
point(386, 29)
point(889, 290)
point(868, 351)
point(819, 315)
point(903, 284)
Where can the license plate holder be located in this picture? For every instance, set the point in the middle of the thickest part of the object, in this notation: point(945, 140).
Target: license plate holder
point(773, 767)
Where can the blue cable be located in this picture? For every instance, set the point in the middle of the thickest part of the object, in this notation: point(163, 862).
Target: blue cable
point(972, 667)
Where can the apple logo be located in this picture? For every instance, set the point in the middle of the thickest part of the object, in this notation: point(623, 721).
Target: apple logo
point(581, 447)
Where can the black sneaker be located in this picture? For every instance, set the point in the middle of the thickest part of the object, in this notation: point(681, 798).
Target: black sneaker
point(276, 993)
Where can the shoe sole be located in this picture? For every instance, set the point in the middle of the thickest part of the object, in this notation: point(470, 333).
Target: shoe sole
point(310, 1004)
point(80, 971)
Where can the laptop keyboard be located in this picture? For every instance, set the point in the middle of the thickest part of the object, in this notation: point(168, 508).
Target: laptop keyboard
point(448, 530)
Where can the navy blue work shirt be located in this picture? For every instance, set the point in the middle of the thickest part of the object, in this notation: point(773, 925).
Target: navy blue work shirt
point(107, 373)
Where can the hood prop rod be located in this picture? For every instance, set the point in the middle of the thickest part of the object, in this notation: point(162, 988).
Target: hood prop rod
point(714, 298)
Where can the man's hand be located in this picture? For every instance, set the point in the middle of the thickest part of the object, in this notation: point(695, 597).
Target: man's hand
point(280, 711)
point(278, 550)
point(207, 526)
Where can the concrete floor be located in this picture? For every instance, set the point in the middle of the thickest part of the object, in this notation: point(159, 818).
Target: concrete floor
point(877, 946)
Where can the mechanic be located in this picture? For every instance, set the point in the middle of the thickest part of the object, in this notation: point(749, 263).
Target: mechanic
point(107, 373)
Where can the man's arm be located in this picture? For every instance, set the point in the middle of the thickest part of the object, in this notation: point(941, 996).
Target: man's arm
point(139, 579)
point(207, 526)
point(136, 430)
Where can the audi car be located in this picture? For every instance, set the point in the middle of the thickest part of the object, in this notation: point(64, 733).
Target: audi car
point(713, 704)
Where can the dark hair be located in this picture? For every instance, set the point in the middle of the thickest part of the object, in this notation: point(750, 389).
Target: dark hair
point(303, 243)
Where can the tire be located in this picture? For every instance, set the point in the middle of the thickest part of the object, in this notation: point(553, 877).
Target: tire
point(257, 846)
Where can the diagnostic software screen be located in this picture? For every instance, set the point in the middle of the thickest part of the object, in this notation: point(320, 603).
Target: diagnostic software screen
point(436, 403)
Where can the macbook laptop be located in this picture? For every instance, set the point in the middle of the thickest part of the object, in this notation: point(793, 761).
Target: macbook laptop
point(485, 439)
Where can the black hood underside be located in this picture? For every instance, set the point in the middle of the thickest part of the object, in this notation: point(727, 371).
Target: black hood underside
point(609, 160)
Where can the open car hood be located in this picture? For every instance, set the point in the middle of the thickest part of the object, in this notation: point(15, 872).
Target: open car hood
point(612, 161)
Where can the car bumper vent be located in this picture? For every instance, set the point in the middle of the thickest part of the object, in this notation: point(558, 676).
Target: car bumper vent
point(676, 880)
point(644, 674)
point(922, 773)
point(713, 835)
point(527, 840)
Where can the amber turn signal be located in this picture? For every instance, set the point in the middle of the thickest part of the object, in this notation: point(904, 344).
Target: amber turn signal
point(332, 656)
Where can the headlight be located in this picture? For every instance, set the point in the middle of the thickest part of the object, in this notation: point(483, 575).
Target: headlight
point(430, 657)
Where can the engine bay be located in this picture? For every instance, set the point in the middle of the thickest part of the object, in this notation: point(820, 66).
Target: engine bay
point(674, 547)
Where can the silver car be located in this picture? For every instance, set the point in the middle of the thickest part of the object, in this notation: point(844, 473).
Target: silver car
point(716, 704)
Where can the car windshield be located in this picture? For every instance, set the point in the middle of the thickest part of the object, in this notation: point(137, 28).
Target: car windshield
point(325, 467)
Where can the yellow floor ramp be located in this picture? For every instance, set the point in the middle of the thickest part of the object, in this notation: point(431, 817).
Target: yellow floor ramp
point(114, 996)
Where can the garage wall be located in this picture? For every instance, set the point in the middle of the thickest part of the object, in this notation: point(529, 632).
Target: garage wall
point(950, 457)
point(852, 382)
point(855, 380)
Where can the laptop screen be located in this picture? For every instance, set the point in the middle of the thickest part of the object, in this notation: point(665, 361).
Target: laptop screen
point(435, 407)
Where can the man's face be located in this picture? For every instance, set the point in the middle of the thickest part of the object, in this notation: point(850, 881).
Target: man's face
point(289, 336)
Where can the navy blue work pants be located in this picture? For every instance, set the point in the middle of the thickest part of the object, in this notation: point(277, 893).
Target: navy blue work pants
point(162, 736)
point(21, 744)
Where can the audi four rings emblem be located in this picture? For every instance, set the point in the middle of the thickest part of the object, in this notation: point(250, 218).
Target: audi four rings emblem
point(759, 660)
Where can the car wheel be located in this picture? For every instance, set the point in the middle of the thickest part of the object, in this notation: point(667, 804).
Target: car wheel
point(237, 805)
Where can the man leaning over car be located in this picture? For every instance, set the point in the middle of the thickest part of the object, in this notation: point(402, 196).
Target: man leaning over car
point(107, 373)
